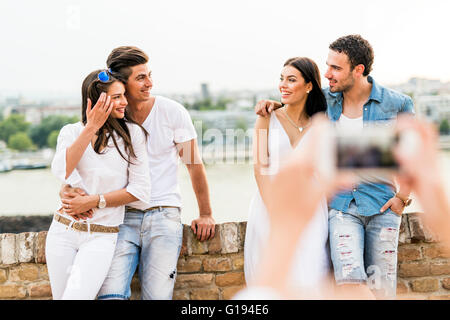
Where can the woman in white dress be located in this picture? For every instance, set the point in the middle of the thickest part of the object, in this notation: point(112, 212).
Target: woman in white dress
point(105, 155)
point(276, 136)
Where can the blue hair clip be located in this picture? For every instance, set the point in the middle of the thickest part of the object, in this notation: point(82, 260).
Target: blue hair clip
point(103, 76)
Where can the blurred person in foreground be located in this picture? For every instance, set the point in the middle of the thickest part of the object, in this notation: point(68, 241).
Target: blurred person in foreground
point(364, 221)
point(419, 169)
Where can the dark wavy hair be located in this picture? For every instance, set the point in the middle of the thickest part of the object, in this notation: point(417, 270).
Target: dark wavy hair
point(92, 88)
point(121, 59)
point(358, 50)
point(316, 101)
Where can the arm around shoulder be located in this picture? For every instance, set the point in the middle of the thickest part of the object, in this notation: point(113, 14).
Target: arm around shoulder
point(139, 184)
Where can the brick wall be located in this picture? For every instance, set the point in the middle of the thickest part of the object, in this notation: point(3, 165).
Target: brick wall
point(214, 269)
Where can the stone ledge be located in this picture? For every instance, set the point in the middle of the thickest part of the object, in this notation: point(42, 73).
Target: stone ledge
point(229, 238)
point(30, 246)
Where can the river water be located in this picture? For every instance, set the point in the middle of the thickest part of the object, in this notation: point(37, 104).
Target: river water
point(35, 192)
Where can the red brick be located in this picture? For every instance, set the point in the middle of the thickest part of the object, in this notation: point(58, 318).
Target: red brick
point(205, 294)
point(40, 290)
point(12, 291)
point(401, 288)
point(184, 246)
point(3, 277)
point(242, 230)
point(446, 283)
point(189, 264)
point(238, 263)
point(425, 285)
point(193, 280)
point(408, 254)
point(217, 264)
point(24, 272)
point(440, 268)
point(180, 295)
point(413, 269)
point(40, 247)
point(230, 279)
point(229, 292)
point(215, 245)
point(436, 251)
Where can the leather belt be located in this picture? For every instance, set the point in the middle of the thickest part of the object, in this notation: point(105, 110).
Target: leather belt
point(79, 226)
point(149, 209)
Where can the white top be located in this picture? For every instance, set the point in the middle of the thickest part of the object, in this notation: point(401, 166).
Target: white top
point(310, 265)
point(106, 172)
point(168, 123)
point(347, 123)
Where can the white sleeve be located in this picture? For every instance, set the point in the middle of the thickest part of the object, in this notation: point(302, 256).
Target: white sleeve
point(183, 128)
point(67, 136)
point(139, 171)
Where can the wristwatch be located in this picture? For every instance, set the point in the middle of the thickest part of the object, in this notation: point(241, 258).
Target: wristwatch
point(406, 202)
point(101, 202)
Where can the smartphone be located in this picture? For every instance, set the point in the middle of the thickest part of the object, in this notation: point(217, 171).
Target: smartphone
point(368, 149)
point(368, 152)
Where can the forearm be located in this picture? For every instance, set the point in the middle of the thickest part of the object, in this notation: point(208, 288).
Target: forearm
point(433, 198)
point(77, 149)
point(200, 185)
point(118, 198)
point(262, 182)
point(404, 190)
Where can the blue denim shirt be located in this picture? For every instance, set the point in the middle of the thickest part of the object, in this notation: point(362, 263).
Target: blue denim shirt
point(383, 104)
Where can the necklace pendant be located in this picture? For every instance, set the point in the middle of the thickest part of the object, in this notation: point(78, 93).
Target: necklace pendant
point(300, 129)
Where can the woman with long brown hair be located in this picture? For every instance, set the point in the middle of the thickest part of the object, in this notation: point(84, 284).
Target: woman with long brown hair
point(105, 155)
point(276, 137)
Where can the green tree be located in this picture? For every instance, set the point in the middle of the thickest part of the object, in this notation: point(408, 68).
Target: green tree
point(20, 141)
point(241, 123)
point(444, 127)
point(41, 132)
point(13, 124)
point(52, 139)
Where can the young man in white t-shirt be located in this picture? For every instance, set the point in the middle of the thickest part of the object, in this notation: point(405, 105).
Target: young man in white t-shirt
point(152, 238)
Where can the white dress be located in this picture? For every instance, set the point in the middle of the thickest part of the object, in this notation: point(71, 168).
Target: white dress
point(311, 262)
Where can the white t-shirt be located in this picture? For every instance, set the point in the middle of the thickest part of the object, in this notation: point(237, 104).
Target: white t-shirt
point(167, 124)
point(350, 123)
point(106, 172)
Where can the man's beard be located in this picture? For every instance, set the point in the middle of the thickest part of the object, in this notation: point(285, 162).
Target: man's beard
point(346, 86)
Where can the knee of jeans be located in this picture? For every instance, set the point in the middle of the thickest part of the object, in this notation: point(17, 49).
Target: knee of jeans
point(387, 252)
point(346, 256)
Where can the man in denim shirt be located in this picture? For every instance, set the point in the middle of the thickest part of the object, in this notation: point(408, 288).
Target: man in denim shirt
point(363, 222)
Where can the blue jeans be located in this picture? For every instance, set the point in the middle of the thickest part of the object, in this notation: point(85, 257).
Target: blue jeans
point(151, 239)
point(364, 249)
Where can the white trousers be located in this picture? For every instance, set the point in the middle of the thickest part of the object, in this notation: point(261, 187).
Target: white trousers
point(77, 261)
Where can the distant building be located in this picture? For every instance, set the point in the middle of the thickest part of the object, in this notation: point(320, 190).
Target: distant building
point(35, 113)
point(434, 107)
point(419, 86)
point(205, 91)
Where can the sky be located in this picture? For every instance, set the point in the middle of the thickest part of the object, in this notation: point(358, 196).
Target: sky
point(48, 47)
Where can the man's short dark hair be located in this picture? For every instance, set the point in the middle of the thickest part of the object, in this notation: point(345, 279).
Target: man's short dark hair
point(358, 50)
point(121, 59)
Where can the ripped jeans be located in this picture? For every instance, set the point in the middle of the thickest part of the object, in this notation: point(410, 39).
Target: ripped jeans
point(151, 239)
point(364, 249)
